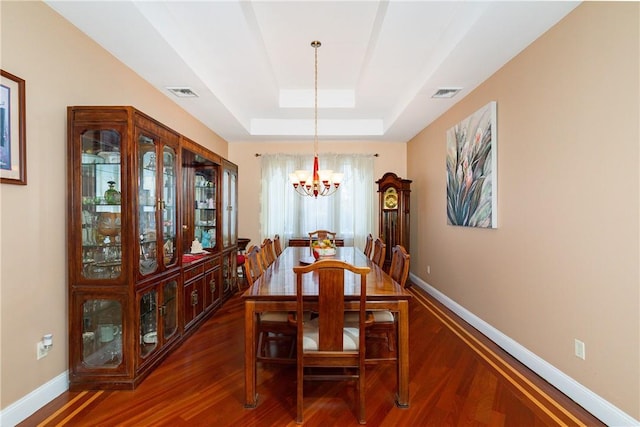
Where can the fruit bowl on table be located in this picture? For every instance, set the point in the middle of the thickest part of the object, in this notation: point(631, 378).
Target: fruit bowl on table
point(325, 252)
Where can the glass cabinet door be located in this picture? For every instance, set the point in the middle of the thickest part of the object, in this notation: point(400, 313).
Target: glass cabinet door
point(148, 322)
point(101, 220)
point(169, 309)
point(229, 215)
point(157, 195)
point(147, 198)
point(200, 179)
point(169, 206)
point(205, 206)
point(101, 333)
point(233, 215)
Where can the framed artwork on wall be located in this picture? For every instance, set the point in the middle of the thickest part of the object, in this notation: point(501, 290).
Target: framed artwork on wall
point(472, 170)
point(13, 149)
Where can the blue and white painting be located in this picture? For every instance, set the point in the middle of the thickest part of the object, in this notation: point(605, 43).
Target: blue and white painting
point(5, 136)
point(471, 170)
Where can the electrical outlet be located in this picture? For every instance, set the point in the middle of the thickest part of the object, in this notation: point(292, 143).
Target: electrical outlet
point(41, 350)
point(579, 348)
point(428, 269)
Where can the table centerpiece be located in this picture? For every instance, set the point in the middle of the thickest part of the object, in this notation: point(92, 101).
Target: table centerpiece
point(323, 248)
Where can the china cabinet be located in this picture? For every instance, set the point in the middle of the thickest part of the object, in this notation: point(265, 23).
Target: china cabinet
point(394, 196)
point(136, 200)
point(202, 290)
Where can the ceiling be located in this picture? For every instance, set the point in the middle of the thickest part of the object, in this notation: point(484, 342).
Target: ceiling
point(386, 58)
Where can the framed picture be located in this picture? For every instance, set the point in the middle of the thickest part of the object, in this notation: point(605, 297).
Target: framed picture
point(471, 170)
point(13, 145)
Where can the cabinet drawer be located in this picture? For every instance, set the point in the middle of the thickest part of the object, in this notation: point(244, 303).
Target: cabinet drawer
point(210, 264)
point(193, 272)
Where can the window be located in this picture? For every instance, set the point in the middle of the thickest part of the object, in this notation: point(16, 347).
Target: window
point(349, 212)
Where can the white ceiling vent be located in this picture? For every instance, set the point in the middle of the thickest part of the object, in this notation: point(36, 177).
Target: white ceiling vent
point(446, 92)
point(183, 92)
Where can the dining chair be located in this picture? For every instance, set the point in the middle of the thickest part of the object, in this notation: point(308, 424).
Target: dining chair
point(399, 270)
point(321, 235)
point(268, 255)
point(242, 272)
point(368, 246)
point(379, 251)
point(273, 327)
point(328, 341)
point(385, 323)
point(277, 245)
point(253, 264)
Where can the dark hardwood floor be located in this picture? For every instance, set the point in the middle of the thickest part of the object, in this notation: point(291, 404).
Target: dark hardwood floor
point(458, 377)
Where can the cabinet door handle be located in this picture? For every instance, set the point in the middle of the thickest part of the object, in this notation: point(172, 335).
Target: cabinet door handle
point(185, 227)
point(212, 285)
point(194, 298)
point(163, 310)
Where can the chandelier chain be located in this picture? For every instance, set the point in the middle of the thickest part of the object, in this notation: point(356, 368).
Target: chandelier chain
point(316, 45)
point(318, 182)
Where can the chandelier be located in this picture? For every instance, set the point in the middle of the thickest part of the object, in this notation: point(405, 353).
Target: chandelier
point(317, 182)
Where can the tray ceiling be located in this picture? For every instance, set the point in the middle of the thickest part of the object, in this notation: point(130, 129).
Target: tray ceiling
point(250, 63)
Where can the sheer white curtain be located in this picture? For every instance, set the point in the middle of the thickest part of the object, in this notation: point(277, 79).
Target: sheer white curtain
point(349, 212)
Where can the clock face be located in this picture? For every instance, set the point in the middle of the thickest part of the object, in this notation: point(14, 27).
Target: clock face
point(390, 199)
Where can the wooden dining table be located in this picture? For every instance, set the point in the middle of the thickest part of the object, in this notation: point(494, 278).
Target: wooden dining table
point(275, 290)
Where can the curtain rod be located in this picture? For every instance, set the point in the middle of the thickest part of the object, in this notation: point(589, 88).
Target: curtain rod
point(374, 155)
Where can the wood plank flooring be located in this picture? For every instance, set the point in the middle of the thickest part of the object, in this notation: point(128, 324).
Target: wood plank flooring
point(458, 378)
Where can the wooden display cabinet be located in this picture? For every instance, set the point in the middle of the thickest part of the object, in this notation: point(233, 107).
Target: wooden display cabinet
point(123, 240)
point(202, 290)
point(138, 195)
point(394, 209)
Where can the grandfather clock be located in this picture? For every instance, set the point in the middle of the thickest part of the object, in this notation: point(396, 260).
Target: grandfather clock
point(394, 195)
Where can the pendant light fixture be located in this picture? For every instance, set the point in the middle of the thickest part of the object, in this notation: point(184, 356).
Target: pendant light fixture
point(317, 182)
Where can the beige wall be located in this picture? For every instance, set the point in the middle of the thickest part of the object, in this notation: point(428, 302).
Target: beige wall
point(61, 67)
point(563, 263)
point(392, 158)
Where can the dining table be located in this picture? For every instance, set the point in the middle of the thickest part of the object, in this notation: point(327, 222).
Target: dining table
point(275, 290)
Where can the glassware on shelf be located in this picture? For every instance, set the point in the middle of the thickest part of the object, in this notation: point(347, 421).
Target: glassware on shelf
point(102, 333)
point(151, 164)
point(109, 223)
point(112, 196)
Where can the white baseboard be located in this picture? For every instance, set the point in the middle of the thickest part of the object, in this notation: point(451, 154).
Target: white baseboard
point(596, 405)
point(29, 404)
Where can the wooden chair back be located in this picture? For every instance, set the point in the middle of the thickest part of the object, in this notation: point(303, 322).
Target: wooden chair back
point(379, 251)
point(399, 270)
point(321, 235)
point(253, 264)
point(277, 245)
point(368, 246)
point(321, 344)
point(268, 255)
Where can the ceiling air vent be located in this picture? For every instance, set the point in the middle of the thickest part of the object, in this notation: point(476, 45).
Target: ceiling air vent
point(183, 92)
point(446, 92)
